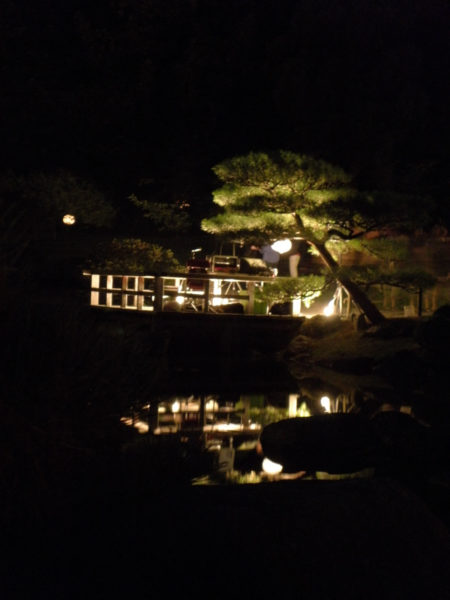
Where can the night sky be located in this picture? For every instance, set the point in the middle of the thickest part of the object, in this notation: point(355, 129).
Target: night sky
point(145, 96)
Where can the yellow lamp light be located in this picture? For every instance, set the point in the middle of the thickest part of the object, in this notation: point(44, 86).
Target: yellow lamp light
point(69, 219)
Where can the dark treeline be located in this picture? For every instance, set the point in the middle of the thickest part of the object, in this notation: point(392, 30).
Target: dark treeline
point(122, 91)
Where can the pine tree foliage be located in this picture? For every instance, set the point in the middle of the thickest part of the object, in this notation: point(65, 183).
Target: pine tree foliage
point(286, 289)
point(133, 256)
point(287, 194)
point(263, 192)
point(164, 216)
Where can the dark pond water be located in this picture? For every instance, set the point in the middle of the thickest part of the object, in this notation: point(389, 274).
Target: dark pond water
point(219, 381)
point(218, 434)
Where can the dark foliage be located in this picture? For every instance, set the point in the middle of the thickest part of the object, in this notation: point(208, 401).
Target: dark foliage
point(160, 91)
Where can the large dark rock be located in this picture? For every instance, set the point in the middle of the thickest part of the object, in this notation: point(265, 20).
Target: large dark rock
point(320, 326)
point(281, 308)
point(393, 328)
point(395, 444)
point(409, 450)
point(335, 443)
point(433, 334)
point(235, 308)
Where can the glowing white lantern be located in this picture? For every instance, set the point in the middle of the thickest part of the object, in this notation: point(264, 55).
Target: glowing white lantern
point(175, 406)
point(326, 403)
point(328, 311)
point(270, 467)
point(69, 219)
point(282, 246)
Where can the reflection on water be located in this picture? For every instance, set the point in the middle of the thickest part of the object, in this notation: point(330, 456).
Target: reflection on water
point(226, 428)
point(207, 413)
point(211, 414)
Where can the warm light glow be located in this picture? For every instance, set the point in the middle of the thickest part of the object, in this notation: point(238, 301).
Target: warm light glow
point(296, 307)
point(303, 411)
point(224, 427)
point(180, 300)
point(191, 406)
point(282, 246)
point(141, 426)
point(329, 308)
point(175, 406)
point(164, 430)
point(326, 403)
point(292, 405)
point(219, 301)
point(211, 405)
point(69, 219)
point(270, 467)
point(310, 298)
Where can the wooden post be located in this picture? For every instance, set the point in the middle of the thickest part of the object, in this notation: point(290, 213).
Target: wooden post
point(202, 414)
point(159, 290)
point(123, 299)
point(349, 305)
point(153, 416)
point(206, 294)
point(95, 285)
point(251, 297)
point(140, 297)
point(109, 280)
point(246, 415)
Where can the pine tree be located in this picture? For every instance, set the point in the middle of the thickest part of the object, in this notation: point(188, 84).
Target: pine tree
point(284, 194)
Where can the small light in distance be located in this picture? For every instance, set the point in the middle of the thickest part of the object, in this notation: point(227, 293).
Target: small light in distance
point(69, 219)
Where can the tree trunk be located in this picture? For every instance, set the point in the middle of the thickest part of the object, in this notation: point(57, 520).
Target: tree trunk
point(358, 296)
point(361, 300)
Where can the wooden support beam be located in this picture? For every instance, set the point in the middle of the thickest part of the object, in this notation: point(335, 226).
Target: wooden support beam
point(153, 416)
point(159, 291)
point(208, 289)
point(251, 297)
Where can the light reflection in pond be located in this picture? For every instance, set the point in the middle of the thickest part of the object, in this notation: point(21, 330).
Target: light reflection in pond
point(227, 427)
point(244, 413)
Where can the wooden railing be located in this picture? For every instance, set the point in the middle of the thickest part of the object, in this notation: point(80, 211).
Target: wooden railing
point(190, 291)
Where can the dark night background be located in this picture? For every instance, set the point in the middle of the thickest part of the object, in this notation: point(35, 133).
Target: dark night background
point(145, 97)
point(125, 91)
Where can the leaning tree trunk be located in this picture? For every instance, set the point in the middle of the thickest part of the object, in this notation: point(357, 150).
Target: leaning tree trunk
point(357, 295)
